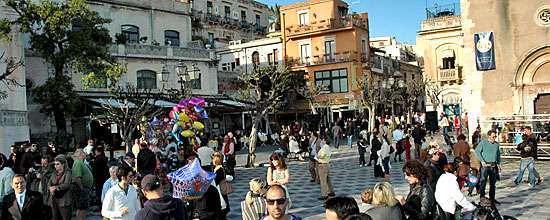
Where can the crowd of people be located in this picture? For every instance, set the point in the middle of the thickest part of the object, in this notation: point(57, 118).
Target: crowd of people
point(44, 183)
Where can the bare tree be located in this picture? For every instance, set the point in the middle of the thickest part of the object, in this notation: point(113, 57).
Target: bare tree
point(127, 107)
point(310, 91)
point(433, 91)
point(411, 93)
point(266, 87)
point(6, 76)
point(370, 96)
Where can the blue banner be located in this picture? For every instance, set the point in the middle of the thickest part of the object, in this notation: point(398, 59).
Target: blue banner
point(485, 51)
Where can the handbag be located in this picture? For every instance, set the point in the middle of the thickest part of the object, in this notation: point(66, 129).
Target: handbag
point(225, 187)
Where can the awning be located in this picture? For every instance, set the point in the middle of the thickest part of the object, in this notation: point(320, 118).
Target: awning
point(163, 103)
point(111, 102)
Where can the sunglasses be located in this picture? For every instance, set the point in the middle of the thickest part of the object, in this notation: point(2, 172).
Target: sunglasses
point(57, 163)
point(280, 201)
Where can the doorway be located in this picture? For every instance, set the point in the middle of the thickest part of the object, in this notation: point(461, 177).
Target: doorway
point(542, 104)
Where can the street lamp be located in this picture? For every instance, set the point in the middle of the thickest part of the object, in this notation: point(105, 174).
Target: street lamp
point(181, 70)
point(164, 74)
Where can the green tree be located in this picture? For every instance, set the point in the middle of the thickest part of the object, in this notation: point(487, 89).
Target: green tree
point(67, 35)
point(266, 87)
point(275, 17)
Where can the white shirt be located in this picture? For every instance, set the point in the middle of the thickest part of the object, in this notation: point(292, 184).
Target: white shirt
point(397, 135)
point(116, 199)
point(205, 155)
point(447, 194)
point(294, 147)
point(20, 198)
point(88, 149)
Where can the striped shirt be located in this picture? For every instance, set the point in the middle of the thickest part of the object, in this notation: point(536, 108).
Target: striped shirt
point(256, 210)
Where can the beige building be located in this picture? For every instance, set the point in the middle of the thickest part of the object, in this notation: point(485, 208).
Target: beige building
point(14, 127)
point(520, 83)
point(158, 37)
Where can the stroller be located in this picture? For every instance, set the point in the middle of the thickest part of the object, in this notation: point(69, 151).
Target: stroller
point(486, 210)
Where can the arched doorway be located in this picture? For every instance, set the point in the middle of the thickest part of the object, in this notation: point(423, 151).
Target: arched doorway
point(542, 104)
point(532, 81)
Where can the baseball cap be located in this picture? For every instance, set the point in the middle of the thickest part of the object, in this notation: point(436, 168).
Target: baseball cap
point(150, 182)
point(435, 150)
point(130, 154)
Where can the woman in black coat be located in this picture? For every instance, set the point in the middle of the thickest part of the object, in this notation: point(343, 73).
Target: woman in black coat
point(420, 203)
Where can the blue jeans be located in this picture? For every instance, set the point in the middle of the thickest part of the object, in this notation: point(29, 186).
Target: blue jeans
point(488, 173)
point(336, 142)
point(445, 129)
point(530, 165)
point(350, 137)
point(386, 164)
point(362, 152)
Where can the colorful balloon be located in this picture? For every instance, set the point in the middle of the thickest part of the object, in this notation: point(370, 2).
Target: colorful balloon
point(187, 133)
point(198, 125)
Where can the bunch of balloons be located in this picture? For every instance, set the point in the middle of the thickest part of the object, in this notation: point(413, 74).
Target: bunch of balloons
point(188, 115)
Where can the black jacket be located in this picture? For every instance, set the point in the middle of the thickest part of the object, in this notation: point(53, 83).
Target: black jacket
point(29, 160)
point(165, 208)
point(420, 203)
point(208, 207)
point(434, 171)
point(418, 133)
point(33, 207)
point(100, 169)
point(146, 160)
point(527, 149)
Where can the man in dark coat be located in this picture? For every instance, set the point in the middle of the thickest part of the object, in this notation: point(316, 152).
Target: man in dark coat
point(159, 206)
point(418, 133)
point(22, 204)
point(146, 160)
point(100, 170)
point(30, 159)
point(433, 166)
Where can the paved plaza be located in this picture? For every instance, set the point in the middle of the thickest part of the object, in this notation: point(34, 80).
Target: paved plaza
point(349, 179)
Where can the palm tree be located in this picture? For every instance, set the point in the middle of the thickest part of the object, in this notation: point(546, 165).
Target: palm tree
point(275, 17)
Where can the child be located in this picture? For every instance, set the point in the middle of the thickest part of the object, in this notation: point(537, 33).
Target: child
point(407, 144)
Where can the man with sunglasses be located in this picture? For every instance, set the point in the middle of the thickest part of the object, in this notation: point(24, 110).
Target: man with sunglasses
point(121, 201)
point(276, 203)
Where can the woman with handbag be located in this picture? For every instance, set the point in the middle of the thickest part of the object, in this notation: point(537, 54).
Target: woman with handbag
point(217, 160)
point(59, 186)
point(278, 174)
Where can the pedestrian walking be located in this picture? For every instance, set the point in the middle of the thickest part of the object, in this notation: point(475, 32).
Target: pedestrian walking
point(146, 160)
point(462, 150)
point(82, 182)
point(418, 133)
point(59, 187)
point(324, 171)
point(527, 151)
point(433, 166)
point(384, 158)
point(314, 147)
point(448, 195)
point(533, 140)
point(397, 137)
point(488, 153)
point(220, 176)
point(350, 131)
point(229, 153)
point(420, 202)
point(362, 148)
point(100, 170)
point(336, 134)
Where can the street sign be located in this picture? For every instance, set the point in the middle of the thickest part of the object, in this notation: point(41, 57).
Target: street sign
point(114, 128)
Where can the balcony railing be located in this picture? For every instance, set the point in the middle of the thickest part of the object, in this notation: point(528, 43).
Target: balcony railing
point(336, 57)
point(142, 50)
point(326, 24)
point(449, 74)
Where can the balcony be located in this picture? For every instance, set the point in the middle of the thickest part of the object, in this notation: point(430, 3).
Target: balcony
point(449, 75)
point(156, 51)
point(336, 57)
point(328, 24)
point(213, 18)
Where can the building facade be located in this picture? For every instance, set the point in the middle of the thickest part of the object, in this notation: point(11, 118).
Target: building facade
point(157, 38)
point(217, 22)
point(330, 46)
point(14, 127)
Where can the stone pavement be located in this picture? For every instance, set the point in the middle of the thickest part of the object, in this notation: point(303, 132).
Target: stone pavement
point(349, 179)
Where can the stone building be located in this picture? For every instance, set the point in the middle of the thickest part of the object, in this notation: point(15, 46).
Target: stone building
point(218, 22)
point(14, 127)
point(520, 81)
point(158, 37)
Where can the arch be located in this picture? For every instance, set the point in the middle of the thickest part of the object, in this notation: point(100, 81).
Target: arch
point(131, 32)
point(255, 58)
point(529, 59)
point(146, 79)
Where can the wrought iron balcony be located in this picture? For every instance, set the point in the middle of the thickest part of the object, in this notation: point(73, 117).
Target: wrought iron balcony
point(327, 24)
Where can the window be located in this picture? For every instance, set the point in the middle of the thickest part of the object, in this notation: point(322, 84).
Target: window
point(329, 49)
point(258, 20)
point(303, 16)
point(237, 61)
point(275, 55)
point(270, 59)
point(131, 32)
point(256, 59)
point(172, 38)
point(448, 63)
point(363, 45)
point(210, 38)
point(195, 83)
point(304, 52)
point(227, 12)
point(243, 15)
point(209, 7)
point(335, 80)
point(146, 79)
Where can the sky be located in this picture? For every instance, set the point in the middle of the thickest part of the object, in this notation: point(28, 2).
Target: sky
point(399, 18)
